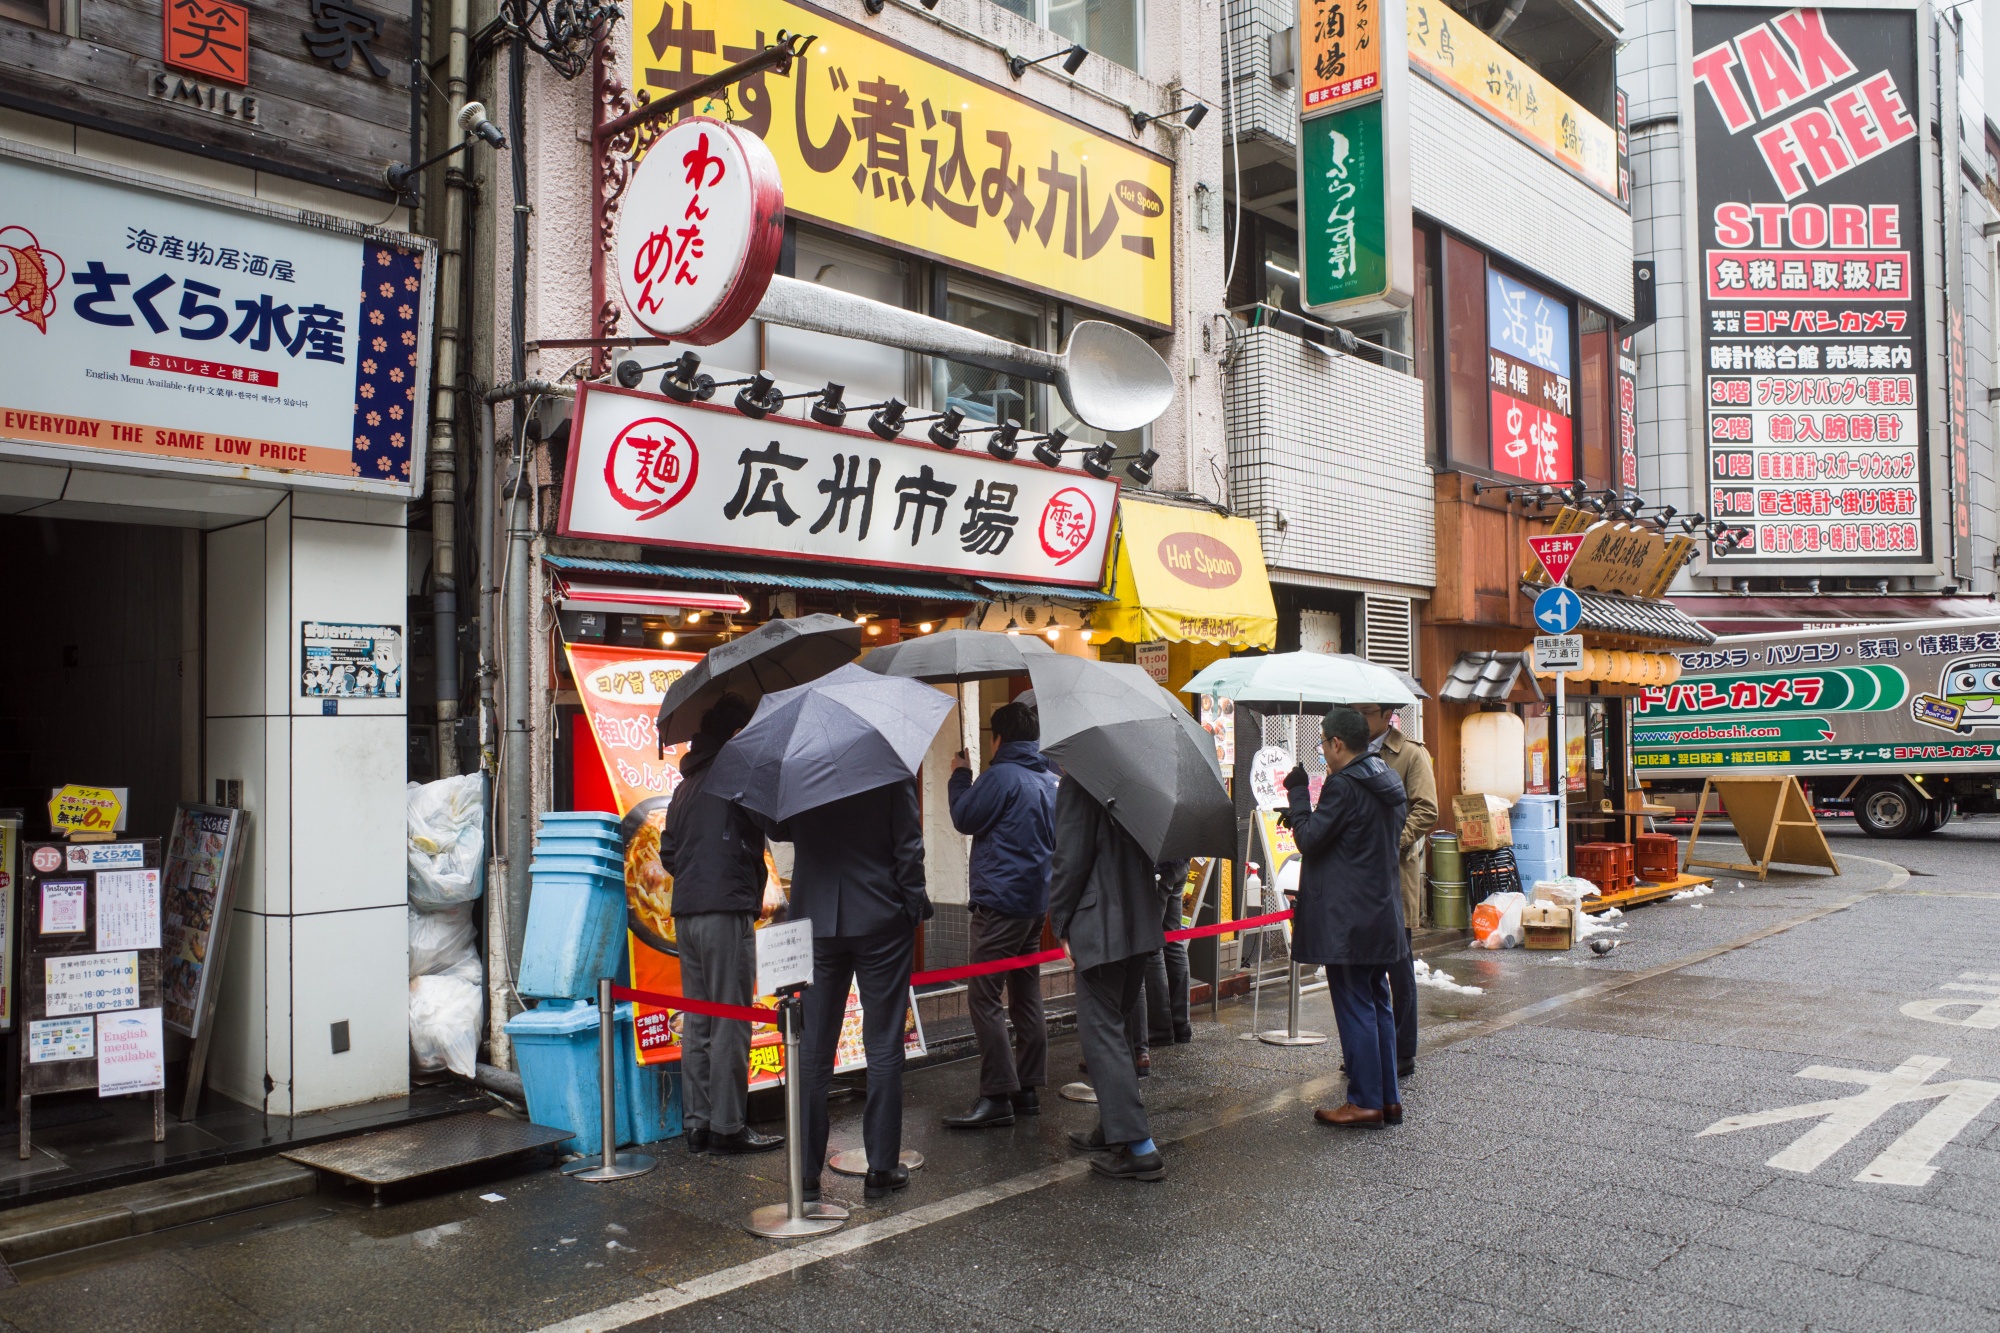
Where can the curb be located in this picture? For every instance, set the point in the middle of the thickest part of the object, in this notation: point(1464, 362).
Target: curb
point(61, 1225)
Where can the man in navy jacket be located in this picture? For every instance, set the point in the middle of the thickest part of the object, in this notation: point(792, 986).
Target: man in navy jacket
point(1011, 814)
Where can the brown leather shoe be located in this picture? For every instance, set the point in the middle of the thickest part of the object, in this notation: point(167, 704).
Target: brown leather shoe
point(1392, 1114)
point(1348, 1115)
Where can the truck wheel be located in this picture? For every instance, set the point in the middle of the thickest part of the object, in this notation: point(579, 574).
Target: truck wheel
point(1889, 809)
point(1944, 813)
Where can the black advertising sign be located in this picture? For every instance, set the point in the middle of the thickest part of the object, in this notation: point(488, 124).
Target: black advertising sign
point(1809, 241)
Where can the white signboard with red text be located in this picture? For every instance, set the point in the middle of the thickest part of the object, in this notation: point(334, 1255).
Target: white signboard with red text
point(646, 469)
point(150, 327)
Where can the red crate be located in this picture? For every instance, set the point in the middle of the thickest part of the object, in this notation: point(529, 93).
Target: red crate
point(1659, 857)
point(1608, 865)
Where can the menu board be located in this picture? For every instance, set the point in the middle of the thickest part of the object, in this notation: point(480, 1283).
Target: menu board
point(199, 877)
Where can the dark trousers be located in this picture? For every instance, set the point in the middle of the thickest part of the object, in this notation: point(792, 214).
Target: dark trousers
point(1106, 996)
point(1016, 1064)
point(1360, 995)
point(1403, 995)
point(1167, 983)
point(718, 962)
point(879, 965)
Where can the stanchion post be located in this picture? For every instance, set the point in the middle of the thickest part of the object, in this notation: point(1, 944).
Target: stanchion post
point(612, 1165)
point(795, 1217)
point(1292, 1035)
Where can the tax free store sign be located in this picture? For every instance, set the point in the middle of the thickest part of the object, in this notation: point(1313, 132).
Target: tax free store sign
point(142, 326)
point(645, 469)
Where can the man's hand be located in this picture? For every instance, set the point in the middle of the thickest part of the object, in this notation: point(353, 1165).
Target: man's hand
point(960, 760)
point(1297, 778)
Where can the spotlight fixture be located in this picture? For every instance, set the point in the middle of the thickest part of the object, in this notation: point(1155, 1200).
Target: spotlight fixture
point(828, 409)
point(945, 430)
point(684, 383)
point(1048, 450)
point(1140, 469)
point(1052, 633)
point(759, 397)
point(1098, 461)
point(666, 638)
point(1086, 633)
point(1013, 625)
point(630, 372)
point(1693, 521)
point(1072, 58)
point(1001, 443)
point(471, 119)
point(1665, 517)
point(1194, 111)
point(694, 618)
point(888, 421)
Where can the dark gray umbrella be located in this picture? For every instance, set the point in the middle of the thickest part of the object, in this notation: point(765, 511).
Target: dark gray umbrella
point(1134, 748)
point(957, 655)
point(849, 731)
point(776, 655)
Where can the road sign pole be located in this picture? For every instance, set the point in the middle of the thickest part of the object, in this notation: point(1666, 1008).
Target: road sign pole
point(1560, 768)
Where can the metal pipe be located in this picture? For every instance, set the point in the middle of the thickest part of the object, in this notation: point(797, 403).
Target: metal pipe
point(516, 762)
point(777, 57)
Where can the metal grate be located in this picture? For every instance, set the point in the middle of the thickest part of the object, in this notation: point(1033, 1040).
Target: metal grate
point(1385, 630)
point(428, 1146)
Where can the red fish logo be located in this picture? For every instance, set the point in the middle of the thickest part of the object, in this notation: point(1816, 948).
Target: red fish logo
point(29, 276)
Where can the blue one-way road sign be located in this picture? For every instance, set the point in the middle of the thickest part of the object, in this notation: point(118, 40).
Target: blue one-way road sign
point(1557, 611)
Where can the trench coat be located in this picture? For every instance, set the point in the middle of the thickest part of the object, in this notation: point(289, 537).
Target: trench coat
point(1350, 904)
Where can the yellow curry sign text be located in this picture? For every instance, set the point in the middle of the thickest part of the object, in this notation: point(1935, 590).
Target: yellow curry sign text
point(876, 140)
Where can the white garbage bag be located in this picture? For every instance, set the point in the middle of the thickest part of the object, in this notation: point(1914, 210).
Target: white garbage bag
point(446, 1010)
point(437, 938)
point(447, 840)
point(1496, 922)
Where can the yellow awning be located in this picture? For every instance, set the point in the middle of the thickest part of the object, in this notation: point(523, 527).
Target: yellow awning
point(1191, 575)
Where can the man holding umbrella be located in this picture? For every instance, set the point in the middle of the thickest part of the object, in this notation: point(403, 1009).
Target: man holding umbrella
point(1411, 762)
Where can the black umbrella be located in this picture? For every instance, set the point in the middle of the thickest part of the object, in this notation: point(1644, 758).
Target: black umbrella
point(1134, 748)
point(957, 655)
point(776, 655)
point(849, 731)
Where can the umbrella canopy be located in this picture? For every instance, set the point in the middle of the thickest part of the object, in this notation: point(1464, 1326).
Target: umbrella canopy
point(957, 655)
point(776, 655)
point(1295, 682)
point(1134, 748)
point(849, 731)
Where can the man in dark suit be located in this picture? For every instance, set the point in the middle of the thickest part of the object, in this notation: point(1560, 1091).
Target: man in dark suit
point(1104, 903)
point(858, 874)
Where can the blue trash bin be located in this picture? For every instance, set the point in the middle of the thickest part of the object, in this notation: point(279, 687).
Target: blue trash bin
point(574, 935)
point(555, 1049)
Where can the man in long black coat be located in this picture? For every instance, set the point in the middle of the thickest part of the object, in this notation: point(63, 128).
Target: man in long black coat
point(1349, 914)
point(858, 873)
point(1104, 903)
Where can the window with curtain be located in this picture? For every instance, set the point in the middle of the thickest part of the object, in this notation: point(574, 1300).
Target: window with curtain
point(1466, 443)
point(1597, 403)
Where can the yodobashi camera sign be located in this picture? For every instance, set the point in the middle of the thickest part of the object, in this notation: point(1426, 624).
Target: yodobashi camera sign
point(146, 326)
point(1807, 240)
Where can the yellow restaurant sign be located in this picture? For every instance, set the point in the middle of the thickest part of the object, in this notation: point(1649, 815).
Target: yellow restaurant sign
point(75, 809)
point(875, 140)
point(1190, 575)
point(1448, 47)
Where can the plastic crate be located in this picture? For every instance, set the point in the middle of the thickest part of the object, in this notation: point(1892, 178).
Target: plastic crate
point(1657, 857)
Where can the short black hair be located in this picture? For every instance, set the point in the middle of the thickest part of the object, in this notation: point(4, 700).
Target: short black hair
point(1017, 722)
point(1345, 725)
point(725, 717)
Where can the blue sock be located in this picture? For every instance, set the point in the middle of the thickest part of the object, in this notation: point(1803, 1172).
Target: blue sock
point(1141, 1148)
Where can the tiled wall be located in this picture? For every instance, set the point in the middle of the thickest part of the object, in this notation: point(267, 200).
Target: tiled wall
point(1336, 444)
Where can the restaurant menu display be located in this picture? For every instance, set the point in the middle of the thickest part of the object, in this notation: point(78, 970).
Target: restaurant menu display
point(1813, 356)
point(200, 872)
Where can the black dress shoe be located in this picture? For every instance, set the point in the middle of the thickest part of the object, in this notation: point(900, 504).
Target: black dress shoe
point(1026, 1102)
point(745, 1140)
point(1182, 1036)
point(1406, 1068)
point(878, 1183)
point(697, 1142)
point(1091, 1142)
point(1123, 1164)
point(1143, 1066)
point(1392, 1113)
point(987, 1111)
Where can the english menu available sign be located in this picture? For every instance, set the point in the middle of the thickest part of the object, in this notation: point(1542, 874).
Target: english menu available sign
point(1808, 160)
point(646, 469)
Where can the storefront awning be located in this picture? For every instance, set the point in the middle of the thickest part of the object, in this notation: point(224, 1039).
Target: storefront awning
point(1046, 592)
point(1189, 574)
point(624, 600)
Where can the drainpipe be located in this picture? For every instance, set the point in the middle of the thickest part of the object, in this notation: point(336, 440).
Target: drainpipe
point(1507, 17)
point(444, 409)
point(518, 762)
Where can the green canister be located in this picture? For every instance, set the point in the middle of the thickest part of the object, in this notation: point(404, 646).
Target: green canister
point(1447, 862)
point(1450, 908)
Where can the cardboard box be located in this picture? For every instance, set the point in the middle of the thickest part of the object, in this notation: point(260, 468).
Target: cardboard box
point(1546, 926)
point(1482, 823)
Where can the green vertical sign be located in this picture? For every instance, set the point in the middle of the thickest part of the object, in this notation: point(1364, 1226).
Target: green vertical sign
point(1343, 211)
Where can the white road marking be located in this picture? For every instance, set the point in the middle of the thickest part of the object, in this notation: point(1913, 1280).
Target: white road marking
point(1985, 1009)
point(1904, 1162)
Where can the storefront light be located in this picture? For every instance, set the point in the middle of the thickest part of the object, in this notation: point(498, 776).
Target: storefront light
point(1013, 625)
point(1048, 451)
point(945, 431)
point(1053, 633)
point(694, 618)
point(874, 631)
point(667, 637)
point(759, 398)
point(924, 628)
point(829, 409)
point(1002, 442)
point(889, 421)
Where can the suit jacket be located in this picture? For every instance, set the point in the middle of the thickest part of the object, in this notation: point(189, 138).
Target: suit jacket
point(858, 863)
point(1410, 761)
point(1104, 894)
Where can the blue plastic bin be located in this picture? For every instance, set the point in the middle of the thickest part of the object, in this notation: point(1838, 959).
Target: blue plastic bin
point(1532, 813)
point(555, 1048)
point(578, 821)
point(576, 844)
point(1537, 844)
point(593, 863)
point(576, 927)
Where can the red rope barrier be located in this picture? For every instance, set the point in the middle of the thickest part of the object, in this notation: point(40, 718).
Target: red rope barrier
point(1224, 927)
point(754, 1014)
point(986, 969)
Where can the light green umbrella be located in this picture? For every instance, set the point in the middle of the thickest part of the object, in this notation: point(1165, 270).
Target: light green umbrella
point(1301, 682)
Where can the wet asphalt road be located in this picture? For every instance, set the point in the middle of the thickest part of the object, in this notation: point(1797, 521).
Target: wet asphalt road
point(1553, 1171)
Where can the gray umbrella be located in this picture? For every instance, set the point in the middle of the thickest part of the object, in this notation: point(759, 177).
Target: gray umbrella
point(957, 655)
point(776, 655)
point(849, 731)
point(1134, 748)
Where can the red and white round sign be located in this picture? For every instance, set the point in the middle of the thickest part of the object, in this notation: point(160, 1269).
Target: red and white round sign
point(651, 466)
point(699, 231)
point(47, 859)
point(1069, 521)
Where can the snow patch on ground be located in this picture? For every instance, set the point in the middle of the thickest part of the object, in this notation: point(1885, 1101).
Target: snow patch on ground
point(1698, 891)
point(1438, 980)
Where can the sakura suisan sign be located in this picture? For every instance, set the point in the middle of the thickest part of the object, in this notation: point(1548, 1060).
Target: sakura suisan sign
point(146, 326)
point(699, 231)
point(646, 469)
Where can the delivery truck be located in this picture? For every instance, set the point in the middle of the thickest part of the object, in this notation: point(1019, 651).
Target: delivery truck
point(1896, 723)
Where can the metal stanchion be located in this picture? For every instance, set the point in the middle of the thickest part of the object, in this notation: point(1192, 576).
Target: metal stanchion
point(794, 1217)
point(614, 1165)
point(1256, 987)
point(1292, 1036)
